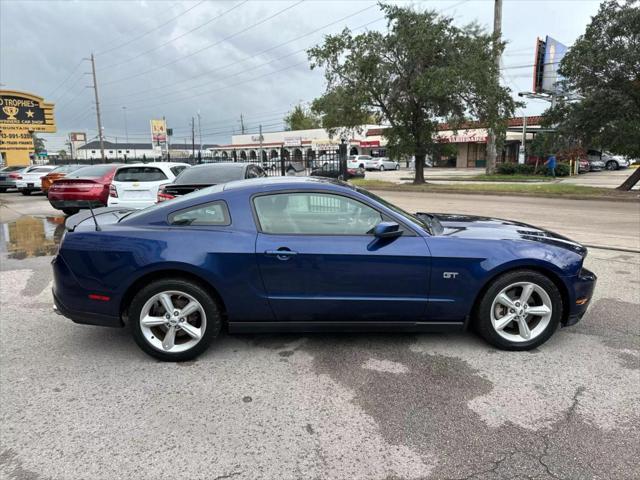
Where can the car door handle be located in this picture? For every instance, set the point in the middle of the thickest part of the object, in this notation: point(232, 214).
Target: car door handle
point(282, 254)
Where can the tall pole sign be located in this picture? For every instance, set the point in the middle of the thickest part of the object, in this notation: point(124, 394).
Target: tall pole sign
point(21, 115)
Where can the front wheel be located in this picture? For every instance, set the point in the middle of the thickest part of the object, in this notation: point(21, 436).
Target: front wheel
point(382, 168)
point(174, 320)
point(25, 192)
point(612, 165)
point(519, 311)
point(397, 166)
point(2, 190)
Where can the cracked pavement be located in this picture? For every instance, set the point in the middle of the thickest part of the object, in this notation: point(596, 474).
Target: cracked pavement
point(84, 402)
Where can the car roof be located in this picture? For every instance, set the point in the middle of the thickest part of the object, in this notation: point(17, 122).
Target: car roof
point(273, 183)
point(154, 164)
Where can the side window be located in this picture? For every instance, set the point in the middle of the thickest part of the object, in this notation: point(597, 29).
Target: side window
point(177, 169)
point(214, 213)
point(252, 172)
point(314, 214)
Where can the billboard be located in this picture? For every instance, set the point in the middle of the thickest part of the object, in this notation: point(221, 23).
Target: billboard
point(78, 137)
point(549, 54)
point(159, 134)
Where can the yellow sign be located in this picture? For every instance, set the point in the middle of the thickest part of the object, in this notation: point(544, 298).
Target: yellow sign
point(22, 114)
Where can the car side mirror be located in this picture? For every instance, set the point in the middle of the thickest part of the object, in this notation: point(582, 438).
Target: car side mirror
point(387, 230)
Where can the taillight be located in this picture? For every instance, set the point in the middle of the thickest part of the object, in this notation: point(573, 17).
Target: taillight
point(164, 196)
point(15, 176)
point(112, 191)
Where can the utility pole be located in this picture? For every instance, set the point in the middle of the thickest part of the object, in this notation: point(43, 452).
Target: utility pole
point(193, 138)
point(199, 132)
point(260, 137)
point(126, 131)
point(497, 34)
point(95, 91)
point(242, 124)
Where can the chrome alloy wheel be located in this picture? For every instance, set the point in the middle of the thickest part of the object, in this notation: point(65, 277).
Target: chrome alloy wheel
point(521, 312)
point(172, 321)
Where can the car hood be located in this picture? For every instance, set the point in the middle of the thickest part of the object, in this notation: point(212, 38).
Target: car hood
point(486, 228)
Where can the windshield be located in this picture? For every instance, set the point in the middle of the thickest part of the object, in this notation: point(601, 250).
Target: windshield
point(211, 174)
point(95, 171)
point(398, 210)
point(66, 168)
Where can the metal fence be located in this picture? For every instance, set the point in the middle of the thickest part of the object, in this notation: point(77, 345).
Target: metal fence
point(331, 163)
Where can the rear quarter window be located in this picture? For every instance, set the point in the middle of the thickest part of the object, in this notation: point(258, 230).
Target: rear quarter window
point(139, 174)
point(177, 169)
point(212, 213)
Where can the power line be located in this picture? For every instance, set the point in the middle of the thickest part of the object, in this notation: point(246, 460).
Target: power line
point(229, 37)
point(224, 67)
point(128, 42)
point(66, 78)
point(114, 65)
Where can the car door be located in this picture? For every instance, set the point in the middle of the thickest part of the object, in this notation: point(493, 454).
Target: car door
point(319, 261)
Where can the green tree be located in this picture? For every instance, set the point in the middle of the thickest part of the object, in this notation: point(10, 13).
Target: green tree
point(38, 144)
point(63, 153)
point(602, 71)
point(422, 71)
point(301, 118)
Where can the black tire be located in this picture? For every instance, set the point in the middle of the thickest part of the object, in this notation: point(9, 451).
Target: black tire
point(3, 190)
point(397, 166)
point(25, 192)
point(482, 315)
point(612, 165)
point(382, 168)
point(70, 211)
point(212, 312)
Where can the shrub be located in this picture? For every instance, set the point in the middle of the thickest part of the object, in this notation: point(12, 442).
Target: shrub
point(562, 169)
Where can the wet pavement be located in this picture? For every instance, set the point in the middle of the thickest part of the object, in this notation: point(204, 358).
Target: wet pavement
point(84, 402)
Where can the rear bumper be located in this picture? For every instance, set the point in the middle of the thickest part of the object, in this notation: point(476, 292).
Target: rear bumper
point(71, 299)
point(60, 204)
point(115, 202)
point(84, 318)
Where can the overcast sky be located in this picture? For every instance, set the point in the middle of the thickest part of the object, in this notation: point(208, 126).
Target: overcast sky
point(221, 58)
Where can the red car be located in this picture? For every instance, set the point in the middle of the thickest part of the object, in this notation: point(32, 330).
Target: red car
point(87, 186)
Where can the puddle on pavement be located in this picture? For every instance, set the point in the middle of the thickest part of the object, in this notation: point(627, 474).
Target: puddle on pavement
point(31, 236)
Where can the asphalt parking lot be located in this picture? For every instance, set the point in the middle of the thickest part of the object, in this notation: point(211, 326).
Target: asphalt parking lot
point(85, 402)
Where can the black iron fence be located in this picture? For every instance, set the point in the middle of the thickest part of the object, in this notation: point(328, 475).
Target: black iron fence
point(329, 163)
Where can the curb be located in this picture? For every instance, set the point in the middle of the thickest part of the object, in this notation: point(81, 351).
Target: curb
point(509, 194)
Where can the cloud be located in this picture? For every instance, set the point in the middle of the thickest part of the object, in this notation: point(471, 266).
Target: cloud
point(42, 42)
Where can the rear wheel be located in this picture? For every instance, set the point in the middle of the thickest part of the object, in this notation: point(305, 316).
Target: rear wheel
point(397, 166)
point(382, 168)
point(174, 320)
point(519, 311)
point(70, 211)
point(25, 192)
point(2, 190)
point(612, 165)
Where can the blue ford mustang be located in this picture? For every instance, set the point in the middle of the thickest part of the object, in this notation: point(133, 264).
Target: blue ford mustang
point(312, 254)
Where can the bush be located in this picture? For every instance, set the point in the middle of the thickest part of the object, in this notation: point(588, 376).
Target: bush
point(562, 169)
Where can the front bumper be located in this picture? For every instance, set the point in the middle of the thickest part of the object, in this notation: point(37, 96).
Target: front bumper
point(580, 297)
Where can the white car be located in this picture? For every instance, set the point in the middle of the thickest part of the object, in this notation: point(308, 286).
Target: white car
point(136, 185)
point(384, 163)
point(362, 161)
point(31, 179)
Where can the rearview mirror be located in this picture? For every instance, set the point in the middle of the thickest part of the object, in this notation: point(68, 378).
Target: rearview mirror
point(387, 230)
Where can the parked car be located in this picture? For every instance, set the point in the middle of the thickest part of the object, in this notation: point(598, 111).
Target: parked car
point(271, 163)
point(361, 161)
point(583, 165)
point(385, 163)
point(137, 185)
point(614, 162)
point(333, 171)
point(9, 176)
point(203, 176)
point(31, 178)
point(56, 174)
point(83, 188)
point(312, 254)
point(600, 160)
